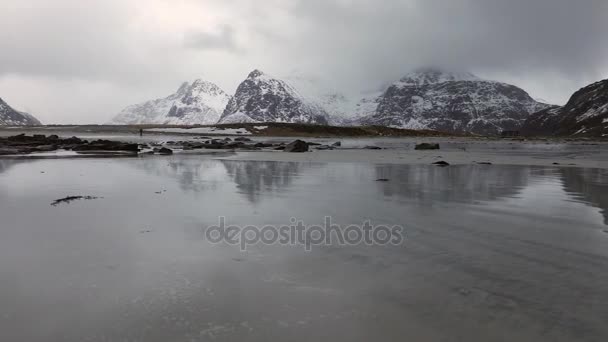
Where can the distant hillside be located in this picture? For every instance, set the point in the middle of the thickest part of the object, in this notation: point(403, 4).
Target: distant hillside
point(12, 117)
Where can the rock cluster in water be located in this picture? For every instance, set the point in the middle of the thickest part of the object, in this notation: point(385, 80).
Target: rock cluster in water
point(24, 144)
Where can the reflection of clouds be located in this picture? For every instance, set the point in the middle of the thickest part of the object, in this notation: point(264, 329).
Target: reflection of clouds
point(192, 173)
point(589, 185)
point(253, 178)
point(466, 183)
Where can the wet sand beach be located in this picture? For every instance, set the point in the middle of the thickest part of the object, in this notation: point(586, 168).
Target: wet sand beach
point(513, 251)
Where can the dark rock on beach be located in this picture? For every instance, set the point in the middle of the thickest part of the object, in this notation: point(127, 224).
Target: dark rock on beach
point(24, 144)
point(427, 146)
point(263, 145)
point(165, 151)
point(297, 146)
point(107, 145)
point(324, 147)
point(242, 139)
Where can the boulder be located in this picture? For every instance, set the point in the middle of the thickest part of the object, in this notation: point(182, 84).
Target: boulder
point(297, 146)
point(324, 148)
point(165, 151)
point(262, 145)
point(427, 146)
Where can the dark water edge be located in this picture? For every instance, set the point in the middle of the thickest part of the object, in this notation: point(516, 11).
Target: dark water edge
point(492, 253)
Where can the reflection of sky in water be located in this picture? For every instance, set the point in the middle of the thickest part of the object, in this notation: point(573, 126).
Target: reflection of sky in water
point(494, 246)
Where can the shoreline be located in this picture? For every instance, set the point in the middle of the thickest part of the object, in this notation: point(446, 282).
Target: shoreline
point(556, 152)
point(406, 157)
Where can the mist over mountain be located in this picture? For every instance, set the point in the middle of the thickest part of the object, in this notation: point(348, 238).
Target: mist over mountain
point(429, 98)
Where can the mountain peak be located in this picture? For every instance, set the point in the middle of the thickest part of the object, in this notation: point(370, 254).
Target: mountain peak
point(256, 73)
point(201, 82)
point(434, 75)
point(262, 98)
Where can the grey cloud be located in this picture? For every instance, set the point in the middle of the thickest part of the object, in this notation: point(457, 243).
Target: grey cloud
point(224, 39)
point(552, 47)
point(385, 38)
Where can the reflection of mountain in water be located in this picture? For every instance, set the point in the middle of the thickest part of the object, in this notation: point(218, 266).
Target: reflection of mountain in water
point(467, 183)
point(6, 164)
point(192, 174)
point(254, 178)
point(196, 174)
point(588, 185)
point(420, 183)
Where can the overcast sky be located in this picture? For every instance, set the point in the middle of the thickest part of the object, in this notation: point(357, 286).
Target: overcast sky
point(82, 61)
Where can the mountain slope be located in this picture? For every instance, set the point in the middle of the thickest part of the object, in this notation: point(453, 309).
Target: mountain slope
point(262, 98)
point(586, 113)
point(12, 117)
point(201, 102)
point(544, 122)
point(453, 102)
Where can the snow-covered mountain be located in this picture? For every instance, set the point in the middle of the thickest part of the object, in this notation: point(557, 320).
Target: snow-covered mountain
point(263, 98)
point(586, 113)
point(12, 117)
point(453, 102)
point(201, 103)
point(425, 99)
